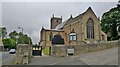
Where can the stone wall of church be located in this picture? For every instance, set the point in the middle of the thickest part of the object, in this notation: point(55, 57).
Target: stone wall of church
point(54, 22)
point(79, 27)
point(46, 40)
point(76, 26)
point(42, 38)
point(97, 33)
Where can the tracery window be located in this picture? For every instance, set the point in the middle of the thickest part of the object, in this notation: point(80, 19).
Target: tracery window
point(90, 28)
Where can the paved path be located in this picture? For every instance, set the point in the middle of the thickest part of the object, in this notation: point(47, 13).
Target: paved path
point(103, 57)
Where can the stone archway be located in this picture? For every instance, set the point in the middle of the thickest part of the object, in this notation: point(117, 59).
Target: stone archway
point(57, 40)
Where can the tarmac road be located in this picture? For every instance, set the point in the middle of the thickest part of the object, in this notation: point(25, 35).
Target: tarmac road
point(7, 59)
point(102, 57)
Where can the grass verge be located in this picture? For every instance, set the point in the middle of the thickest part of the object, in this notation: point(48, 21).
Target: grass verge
point(45, 50)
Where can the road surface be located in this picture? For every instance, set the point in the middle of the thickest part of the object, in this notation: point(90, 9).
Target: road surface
point(56, 61)
point(103, 57)
point(7, 59)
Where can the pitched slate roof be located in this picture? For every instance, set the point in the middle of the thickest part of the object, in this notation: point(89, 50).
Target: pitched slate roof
point(61, 25)
point(55, 30)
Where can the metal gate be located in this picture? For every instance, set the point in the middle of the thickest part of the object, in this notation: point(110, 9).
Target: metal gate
point(37, 50)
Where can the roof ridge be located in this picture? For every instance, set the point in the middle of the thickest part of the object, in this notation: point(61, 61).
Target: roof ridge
point(72, 19)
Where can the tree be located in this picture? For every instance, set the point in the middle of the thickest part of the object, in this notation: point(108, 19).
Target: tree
point(13, 35)
point(3, 32)
point(109, 22)
point(9, 43)
point(13, 41)
point(23, 38)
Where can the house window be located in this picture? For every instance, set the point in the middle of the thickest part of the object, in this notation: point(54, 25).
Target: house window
point(90, 28)
point(72, 36)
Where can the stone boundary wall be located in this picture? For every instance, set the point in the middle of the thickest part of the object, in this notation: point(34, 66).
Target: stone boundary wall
point(23, 54)
point(61, 50)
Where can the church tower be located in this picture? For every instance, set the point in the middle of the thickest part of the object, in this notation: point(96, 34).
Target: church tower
point(55, 21)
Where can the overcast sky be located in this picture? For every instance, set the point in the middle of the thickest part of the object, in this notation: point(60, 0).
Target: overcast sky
point(31, 16)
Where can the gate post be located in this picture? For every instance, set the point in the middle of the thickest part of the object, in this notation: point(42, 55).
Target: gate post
point(41, 50)
point(49, 50)
point(23, 54)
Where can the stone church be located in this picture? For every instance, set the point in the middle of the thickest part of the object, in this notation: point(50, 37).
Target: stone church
point(84, 28)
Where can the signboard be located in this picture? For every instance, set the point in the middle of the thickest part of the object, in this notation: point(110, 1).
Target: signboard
point(70, 50)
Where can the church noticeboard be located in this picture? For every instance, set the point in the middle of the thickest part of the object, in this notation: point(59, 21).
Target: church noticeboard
point(70, 50)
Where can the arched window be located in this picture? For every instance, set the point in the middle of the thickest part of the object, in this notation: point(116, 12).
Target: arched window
point(90, 28)
point(72, 36)
point(58, 40)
